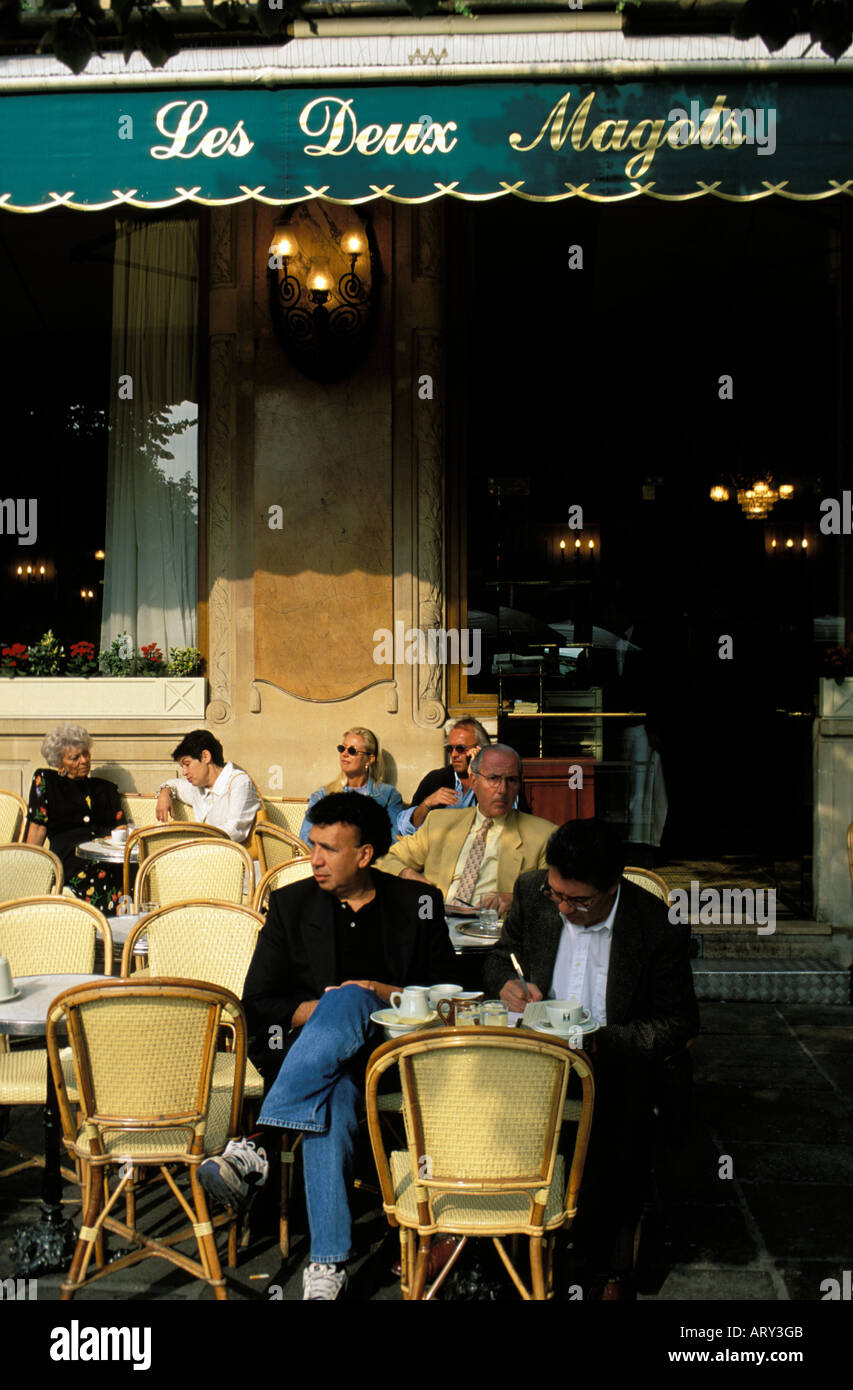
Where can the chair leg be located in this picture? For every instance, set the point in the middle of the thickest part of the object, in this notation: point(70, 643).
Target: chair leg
point(420, 1270)
point(537, 1278)
point(83, 1248)
point(205, 1238)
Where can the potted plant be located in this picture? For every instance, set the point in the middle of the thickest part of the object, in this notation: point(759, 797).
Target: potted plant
point(81, 659)
point(13, 660)
point(45, 656)
point(150, 661)
point(117, 660)
point(185, 661)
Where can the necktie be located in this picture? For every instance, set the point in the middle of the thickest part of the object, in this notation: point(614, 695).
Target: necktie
point(472, 864)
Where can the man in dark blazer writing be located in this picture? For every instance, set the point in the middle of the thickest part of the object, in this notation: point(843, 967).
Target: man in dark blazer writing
point(580, 930)
point(333, 950)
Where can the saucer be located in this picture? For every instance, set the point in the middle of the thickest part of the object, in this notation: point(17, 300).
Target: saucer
point(480, 930)
point(7, 998)
point(390, 1018)
point(544, 1025)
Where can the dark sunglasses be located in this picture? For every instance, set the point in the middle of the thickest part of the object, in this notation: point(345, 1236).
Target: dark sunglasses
point(353, 752)
point(458, 748)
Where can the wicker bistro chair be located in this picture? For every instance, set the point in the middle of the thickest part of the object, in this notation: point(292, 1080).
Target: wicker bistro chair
point(277, 846)
point(279, 877)
point(139, 811)
point(151, 838)
point(143, 1057)
point(646, 878)
point(27, 871)
point(44, 936)
point(13, 818)
point(483, 1109)
point(220, 871)
point(211, 941)
point(286, 812)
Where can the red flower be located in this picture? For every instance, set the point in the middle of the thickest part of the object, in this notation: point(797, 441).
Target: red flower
point(102, 873)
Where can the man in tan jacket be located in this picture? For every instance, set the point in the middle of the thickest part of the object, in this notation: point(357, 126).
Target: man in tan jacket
point(476, 853)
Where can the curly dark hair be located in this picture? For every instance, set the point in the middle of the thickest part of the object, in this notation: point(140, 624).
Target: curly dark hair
point(352, 808)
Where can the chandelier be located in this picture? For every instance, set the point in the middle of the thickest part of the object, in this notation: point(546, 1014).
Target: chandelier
point(756, 498)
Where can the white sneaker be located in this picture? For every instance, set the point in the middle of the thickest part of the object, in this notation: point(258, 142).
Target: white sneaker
point(323, 1282)
point(232, 1176)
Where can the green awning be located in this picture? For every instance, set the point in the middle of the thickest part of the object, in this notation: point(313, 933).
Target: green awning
point(546, 141)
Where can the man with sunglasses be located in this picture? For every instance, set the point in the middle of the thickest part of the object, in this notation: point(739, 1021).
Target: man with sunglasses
point(447, 786)
point(476, 853)
point(580, 930)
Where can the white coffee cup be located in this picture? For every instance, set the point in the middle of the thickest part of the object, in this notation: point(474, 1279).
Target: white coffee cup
point(443, 992)
point(119, 835)
point(412, 1002)
point(6, 986)
point(566, 1013)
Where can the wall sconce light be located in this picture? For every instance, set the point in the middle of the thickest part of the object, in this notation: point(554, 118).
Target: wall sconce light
point(323, 278)
point(31, 574)
point(796, 539)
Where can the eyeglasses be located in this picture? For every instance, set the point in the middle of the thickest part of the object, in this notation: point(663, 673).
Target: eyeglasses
point(353, 752)
point(458, 747)
point(574, 904)
point(494, 780)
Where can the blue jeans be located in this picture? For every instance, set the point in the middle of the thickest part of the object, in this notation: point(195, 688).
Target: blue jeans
point(320, 1091)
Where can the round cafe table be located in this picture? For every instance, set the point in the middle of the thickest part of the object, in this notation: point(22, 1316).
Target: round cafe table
point(106, 850)
point(50, 1244)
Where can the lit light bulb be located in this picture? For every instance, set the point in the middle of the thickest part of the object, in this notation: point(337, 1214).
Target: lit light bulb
point(562, 545)
point(353, 245)
point(789, 544)
point(592, 545)
point(577, 545)
point(805, 544)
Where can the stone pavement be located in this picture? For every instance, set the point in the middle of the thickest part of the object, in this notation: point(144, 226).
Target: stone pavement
point(754, 1207)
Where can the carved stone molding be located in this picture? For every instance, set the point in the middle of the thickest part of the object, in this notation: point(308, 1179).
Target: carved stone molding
point(222, 248)
point(223, 374)
point(428, 459)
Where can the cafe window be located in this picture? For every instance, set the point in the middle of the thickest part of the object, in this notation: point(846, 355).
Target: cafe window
point(100, 480)
point(586, 427)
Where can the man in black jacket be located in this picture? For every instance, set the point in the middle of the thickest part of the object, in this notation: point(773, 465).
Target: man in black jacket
point(451, 785)
point(580, 930)
point(333, 950)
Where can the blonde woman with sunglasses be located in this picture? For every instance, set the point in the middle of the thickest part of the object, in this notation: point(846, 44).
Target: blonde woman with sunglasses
point(362, 766)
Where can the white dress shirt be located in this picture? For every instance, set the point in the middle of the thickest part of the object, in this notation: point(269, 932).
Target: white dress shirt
point(583, 959)
point(231, 804)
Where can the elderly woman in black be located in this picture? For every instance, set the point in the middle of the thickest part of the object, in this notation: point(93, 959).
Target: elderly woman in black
point(69, 806)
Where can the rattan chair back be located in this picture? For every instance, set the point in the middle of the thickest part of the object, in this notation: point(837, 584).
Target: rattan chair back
point(483, 1109)
point(277, 846)
point(148, 839)
point(211, 941)
point(218, 870)
point(286, 812)
point(53, 936)
point(143, 1055)
point(28, 871)
point(13, 817)
point(139, 811)
point(646, 878)
point(280, 877)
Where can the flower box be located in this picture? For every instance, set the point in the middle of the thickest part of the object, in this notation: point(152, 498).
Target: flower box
point(836, 701)
point(84, 698)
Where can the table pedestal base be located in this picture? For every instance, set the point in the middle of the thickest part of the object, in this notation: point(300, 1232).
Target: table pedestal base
point(46, 1247)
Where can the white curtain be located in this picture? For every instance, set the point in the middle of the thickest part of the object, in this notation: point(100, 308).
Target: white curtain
point(151, 566)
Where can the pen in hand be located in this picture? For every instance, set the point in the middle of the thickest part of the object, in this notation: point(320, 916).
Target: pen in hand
point(520, 973)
